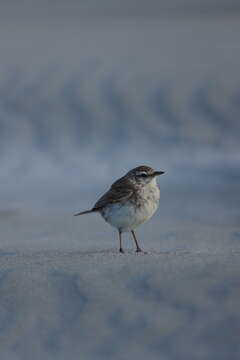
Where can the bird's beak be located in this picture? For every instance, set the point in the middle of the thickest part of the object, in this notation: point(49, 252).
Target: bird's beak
point(156, 173)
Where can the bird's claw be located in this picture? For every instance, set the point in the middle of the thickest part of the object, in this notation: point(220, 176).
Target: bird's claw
point(139, 250)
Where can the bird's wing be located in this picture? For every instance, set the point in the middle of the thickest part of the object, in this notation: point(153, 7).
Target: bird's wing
point(119, 191)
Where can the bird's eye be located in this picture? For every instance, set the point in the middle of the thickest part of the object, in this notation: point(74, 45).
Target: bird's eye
point(143, 174)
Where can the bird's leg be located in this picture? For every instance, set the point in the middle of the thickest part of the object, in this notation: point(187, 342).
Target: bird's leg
point(120, 242)
point(138, 249)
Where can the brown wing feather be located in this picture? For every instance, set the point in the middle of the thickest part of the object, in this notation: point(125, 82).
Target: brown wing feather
point(121, 190)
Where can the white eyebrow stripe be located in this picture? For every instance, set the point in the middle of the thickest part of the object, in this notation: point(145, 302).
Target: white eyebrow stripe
point(142, 173)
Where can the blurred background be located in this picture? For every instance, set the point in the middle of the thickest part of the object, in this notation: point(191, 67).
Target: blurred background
point(89, 90)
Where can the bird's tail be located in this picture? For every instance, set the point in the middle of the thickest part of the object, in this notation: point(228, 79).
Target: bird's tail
point(84, 212)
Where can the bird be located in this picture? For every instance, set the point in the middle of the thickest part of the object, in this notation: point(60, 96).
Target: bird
point(130, 201)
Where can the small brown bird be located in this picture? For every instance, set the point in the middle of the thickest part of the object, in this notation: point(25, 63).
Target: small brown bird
point(130, 201)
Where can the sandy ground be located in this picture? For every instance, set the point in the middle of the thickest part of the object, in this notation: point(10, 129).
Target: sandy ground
point(102, 305)
point(74, 296)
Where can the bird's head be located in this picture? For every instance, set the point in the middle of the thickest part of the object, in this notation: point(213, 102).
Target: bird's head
point(144, 174)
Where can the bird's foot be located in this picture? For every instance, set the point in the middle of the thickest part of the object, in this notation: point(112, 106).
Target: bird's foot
point(139, 250)
point(121, 251)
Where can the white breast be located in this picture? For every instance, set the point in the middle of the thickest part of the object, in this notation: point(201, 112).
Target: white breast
point(128, 216)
